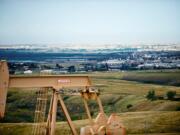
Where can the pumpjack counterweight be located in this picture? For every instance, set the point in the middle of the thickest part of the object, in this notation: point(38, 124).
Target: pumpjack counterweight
point(102, 125)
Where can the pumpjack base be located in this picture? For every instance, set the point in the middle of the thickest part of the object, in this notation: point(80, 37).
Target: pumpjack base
point(104, 126)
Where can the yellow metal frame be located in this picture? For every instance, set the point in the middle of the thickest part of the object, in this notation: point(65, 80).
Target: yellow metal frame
point(56, 83)
point(52, 81)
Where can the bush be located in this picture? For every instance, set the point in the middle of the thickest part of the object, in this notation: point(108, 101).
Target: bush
point(151, 95)
point(171, 94)
point(129, 106)
point(178, 108)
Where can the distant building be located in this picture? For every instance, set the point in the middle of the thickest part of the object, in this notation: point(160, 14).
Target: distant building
point(28, 72)
point(62, 71)
point(146, 66)
point(46, 71)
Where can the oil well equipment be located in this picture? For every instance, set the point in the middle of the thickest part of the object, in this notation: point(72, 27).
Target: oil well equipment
point(46, 124)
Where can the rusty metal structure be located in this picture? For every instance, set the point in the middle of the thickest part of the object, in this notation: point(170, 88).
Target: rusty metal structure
point(102, 125)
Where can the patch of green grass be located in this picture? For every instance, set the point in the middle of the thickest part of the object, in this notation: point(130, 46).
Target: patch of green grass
point(121, 105)
point(165, 78)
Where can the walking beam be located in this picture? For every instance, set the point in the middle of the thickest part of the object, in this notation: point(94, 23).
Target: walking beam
point(53, 81)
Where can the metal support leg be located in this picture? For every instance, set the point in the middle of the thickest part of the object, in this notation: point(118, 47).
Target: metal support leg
point(100, 105)
point(49, 119)
point(87, 111)
point(73, 129)
point(54, 111)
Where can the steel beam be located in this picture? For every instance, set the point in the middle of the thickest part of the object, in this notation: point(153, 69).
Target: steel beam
point(55, 82)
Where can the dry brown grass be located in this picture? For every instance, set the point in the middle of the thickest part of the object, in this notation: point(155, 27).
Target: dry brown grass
point(150, 122)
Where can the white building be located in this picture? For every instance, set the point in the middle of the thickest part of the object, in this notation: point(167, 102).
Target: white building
point(28, 72)
point(47, 71)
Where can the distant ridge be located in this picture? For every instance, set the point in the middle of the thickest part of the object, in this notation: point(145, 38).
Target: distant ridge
point(91, 48)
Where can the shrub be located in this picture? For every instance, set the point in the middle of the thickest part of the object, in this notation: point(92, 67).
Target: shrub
point(178, 108)
point(129, 106)
point(151, 95)
point(171, 94)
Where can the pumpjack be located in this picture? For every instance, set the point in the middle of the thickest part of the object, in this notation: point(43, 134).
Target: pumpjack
point(101, 125)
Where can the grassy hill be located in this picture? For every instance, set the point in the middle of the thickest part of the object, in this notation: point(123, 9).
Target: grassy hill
point(127, 98)
point(168, 77)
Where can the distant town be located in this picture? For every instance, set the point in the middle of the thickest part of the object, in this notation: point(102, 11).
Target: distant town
point(29, 60)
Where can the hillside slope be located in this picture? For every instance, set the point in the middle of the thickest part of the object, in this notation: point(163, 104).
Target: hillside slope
point(150, 122)
point(117, 96)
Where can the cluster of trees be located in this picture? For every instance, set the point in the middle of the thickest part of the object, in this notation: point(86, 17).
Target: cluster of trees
point(152, 95)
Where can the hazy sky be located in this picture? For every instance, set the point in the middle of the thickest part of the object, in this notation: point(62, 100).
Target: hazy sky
point(89, 21)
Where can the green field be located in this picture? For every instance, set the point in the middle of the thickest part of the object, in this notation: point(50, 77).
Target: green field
point(144, 116)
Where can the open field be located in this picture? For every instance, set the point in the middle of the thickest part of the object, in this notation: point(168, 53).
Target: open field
point(144, 116)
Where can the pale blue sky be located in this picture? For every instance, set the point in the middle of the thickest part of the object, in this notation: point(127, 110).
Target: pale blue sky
point(89, 21)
